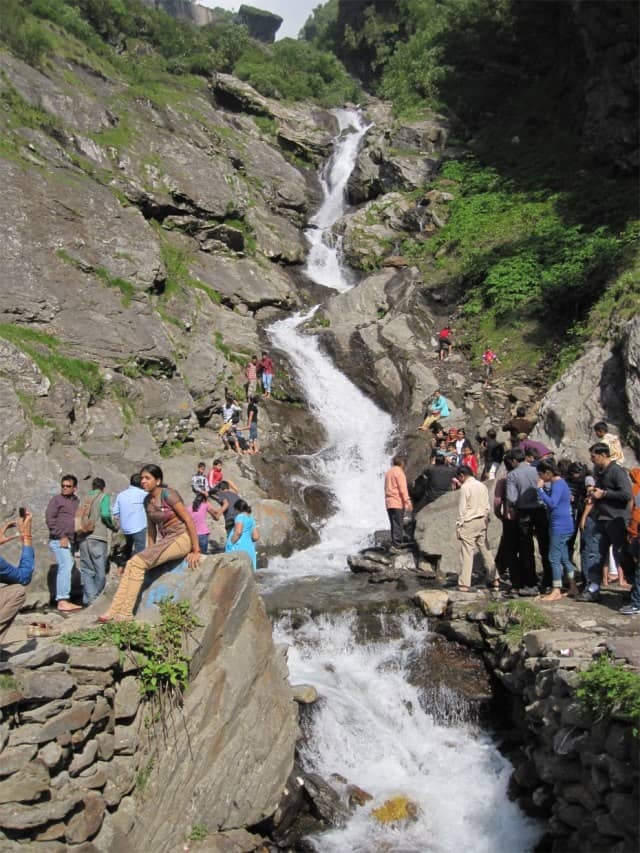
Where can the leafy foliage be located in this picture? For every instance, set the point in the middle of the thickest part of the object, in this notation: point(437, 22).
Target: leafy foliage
point(296, 70)
point(609, 689)
point(158, 649)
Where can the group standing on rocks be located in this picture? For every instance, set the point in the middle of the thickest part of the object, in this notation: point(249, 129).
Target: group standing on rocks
point(536, 499)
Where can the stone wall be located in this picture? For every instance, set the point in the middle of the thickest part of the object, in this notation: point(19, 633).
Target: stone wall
point(577, 772)
point(77, 743)
point(72, 743)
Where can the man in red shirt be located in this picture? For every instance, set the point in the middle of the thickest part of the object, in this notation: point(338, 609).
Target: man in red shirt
point(265, 367)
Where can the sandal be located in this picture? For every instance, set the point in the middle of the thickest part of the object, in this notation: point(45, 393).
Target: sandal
point(41, 629)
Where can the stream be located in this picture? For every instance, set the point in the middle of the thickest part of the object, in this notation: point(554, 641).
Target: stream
point(372, 726)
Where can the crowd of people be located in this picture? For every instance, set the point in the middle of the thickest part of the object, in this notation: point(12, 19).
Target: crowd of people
point(243, 437)
point(556, 503)
point(155, 525)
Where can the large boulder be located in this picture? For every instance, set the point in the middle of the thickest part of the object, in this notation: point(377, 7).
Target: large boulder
point(232, 751)
point(435, 532)
point(602, 385)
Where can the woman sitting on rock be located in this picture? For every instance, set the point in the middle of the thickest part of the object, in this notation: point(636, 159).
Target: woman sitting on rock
point(171, 535)
point(244, 533)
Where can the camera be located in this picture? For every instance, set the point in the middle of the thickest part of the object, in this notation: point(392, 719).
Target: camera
point(22, 511)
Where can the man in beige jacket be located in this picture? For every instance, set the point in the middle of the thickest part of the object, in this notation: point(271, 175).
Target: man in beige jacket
point(471, 528)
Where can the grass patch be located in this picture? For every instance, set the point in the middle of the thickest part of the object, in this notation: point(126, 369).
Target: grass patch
point(42, 348)
point(125, 287)
point(8, 682)
point(610, 690)
point(521, 617)
point(198, 832)
point(157, 649)
point(179, 279)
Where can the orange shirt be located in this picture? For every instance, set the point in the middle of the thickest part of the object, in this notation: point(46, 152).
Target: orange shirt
point(396, 492)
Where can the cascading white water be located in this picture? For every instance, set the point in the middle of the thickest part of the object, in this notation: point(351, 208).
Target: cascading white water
point(351, 465)
point(323, 263)
point(372, 728)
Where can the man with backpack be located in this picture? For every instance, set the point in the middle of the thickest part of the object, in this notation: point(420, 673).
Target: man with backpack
point(60, 517)
point(93, 524)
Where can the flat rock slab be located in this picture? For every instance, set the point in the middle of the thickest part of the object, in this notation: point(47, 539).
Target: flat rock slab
point(41, 656)
point(100, 658)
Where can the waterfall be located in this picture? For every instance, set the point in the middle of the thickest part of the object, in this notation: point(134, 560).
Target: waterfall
point(372, 726)
point(325, 253)
point(375, 729)
point(352, 463)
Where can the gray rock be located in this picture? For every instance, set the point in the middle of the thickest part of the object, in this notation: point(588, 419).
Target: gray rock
point(121, 779)
point(86, 823)
point(51, 755)
point(46, 685)
point(67, 721)
point(44, 712)
point(15, 758)
point(21, 817)
point(433, 602)
point(126, 740)
point(44, 655)
point(101, 710)
point(128, 698)
point(83, 759)
point(106, 745)
point(27, 784)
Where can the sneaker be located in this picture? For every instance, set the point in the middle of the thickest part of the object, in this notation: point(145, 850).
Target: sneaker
point(394, 549)
point(592, 597)
point(529, 591)
point(629, 610)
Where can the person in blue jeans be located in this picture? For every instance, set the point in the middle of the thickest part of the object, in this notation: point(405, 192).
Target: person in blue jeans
point(130, 517)
point(561, 527)
point(14, 579)
point(60, 517)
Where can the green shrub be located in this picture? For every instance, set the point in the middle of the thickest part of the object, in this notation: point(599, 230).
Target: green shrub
point(609, 689)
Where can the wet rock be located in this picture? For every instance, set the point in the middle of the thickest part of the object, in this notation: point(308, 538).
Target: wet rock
point(357, 796)
point(326, 801)
point(304, 694)
point(467, 633)
point(396, 810)
point(432, 602)
point(359, 564)
point(619, 742)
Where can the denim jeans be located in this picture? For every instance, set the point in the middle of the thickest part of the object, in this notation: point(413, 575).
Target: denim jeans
point(135, 542)
point(203, 542)
point(267, 379)
point(598, 536)
point(64, 559)
point(559, 557)
point(93, 568)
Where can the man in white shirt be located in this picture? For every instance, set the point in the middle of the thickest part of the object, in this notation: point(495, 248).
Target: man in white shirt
point(130, 516)
point(471, 528)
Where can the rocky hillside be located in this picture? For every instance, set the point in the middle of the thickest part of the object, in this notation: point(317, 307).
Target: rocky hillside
point(153, 231)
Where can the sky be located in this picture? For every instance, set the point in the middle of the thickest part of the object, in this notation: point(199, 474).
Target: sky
point(294, 12)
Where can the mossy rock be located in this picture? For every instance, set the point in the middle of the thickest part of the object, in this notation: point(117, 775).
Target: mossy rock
point(396, 809)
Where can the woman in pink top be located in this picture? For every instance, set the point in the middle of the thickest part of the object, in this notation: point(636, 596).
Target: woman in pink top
point(396, 498)
point(199, 510)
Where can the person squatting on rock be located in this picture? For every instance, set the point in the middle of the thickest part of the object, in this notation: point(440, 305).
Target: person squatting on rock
point(171, 535)
point(60, 518)
point(14, 579)
point(94, 542)
point(130, 518)
point(397, 500)
point(216, 476)
point(471, 528)
point(199, 485)
point(437, 410)
point(608, 517)
point(561, 528)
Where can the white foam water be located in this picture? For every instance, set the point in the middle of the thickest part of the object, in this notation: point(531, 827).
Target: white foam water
point(324, 262)
point(372, 727)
